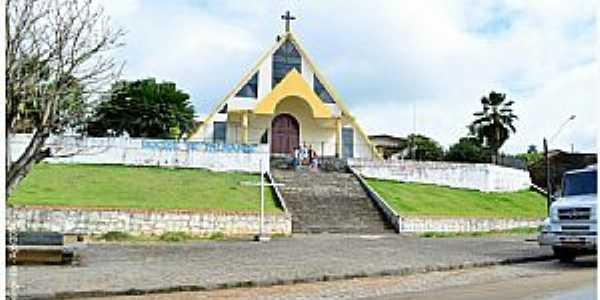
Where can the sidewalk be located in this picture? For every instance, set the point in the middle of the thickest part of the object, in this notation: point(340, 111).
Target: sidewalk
point(113, 269)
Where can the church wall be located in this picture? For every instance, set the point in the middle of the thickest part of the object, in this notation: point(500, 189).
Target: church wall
point(362, 149)
point(256, 127)
point(307, 73)
point(316, 132)
point(320, 133)
point(264, 77)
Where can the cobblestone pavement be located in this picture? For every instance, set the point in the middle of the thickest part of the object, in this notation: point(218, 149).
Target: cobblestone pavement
point(118, 268)
point(539, 280)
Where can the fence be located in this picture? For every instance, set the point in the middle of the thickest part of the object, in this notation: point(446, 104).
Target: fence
point(149, 152)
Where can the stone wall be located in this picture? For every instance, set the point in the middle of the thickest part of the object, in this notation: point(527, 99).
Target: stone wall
point(416, 224)
point(482, 177)
point(85, 221)
point(150, 152)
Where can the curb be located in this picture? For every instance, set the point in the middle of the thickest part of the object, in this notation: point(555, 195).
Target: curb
point(274, 282)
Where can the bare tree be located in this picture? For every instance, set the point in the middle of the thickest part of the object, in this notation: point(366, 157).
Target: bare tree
point(54, 48)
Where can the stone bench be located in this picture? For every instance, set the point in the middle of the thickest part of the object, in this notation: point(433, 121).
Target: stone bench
point(37, 248)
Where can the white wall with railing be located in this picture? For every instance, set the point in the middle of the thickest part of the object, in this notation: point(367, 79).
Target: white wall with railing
point(149, 152)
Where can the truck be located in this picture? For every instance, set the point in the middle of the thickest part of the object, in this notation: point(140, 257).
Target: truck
point(570, 228)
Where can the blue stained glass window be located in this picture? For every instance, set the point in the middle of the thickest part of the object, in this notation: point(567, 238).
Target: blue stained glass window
point(219, 132)
point(284, 59)
point(321, 91)
point(250, 90)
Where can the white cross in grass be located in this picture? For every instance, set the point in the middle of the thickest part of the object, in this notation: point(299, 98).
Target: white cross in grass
point(262, 235)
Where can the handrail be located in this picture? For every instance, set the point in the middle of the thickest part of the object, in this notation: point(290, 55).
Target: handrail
point(277, 192)
point(392, 216)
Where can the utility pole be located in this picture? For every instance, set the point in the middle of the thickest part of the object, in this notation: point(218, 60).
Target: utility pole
point(413, 149)
point(548, 181)
point(547, 162)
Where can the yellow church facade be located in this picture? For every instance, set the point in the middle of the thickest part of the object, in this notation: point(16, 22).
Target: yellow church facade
point(285, 102)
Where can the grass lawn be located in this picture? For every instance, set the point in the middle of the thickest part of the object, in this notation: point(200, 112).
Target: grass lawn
point(424, 200)
point(140, 188)
point(509, 232)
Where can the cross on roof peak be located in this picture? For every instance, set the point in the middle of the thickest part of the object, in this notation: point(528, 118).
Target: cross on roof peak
point(287, 17)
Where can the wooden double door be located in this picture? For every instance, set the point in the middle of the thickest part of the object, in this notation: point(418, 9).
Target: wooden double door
point(285, 134)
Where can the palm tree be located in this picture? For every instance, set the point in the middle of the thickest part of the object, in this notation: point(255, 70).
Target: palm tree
point(494, 123)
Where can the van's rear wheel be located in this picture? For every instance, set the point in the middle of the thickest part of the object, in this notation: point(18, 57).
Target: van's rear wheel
point(564, 255)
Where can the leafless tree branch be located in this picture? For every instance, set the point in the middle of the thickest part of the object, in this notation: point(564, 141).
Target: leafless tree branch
point(52, 46)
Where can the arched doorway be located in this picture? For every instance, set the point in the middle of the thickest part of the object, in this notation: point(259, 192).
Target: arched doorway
point(285, 134)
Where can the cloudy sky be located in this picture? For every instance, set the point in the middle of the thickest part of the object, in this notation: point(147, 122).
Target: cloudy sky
point(389, 60)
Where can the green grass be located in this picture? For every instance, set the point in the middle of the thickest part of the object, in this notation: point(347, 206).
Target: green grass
point(424, 200)
point(510, 232)
point(147, 188)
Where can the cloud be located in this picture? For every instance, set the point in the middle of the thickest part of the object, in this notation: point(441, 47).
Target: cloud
point(386, 57)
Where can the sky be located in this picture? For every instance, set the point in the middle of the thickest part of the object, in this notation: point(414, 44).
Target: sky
point(400, 66)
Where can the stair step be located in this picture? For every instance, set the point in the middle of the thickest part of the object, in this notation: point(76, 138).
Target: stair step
point(332, 202)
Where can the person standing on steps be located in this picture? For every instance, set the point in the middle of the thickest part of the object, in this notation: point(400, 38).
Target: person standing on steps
point(303, 154)
point(314, 160)
point(296, 158)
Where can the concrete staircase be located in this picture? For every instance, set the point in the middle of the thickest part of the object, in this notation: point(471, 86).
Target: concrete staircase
point(332, 202)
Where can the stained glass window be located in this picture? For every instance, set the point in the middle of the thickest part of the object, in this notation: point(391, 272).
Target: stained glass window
point(250, 90)
point(321, 91)
point(219, 132)
point(284, 59)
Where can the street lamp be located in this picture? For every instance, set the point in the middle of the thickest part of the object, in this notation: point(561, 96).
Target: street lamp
point(547, 163)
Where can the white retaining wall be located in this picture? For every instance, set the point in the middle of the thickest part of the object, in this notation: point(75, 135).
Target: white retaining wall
point(150, 152)
point(482, 177)
point(416, 224)
point(87, 221)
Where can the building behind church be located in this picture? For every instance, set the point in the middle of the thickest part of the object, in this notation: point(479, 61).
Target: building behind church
point(284, 102)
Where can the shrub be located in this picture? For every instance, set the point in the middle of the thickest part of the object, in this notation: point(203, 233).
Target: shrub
point(217, 236)
point(174, 237)
point(115, 236)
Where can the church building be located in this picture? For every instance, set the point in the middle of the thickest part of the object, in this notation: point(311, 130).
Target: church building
point(284, 101)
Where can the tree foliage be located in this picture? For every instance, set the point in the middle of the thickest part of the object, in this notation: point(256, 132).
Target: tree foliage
point(495, 122)
point(421, 147)
point(56, 56)
point(144, 108)
point(531, 157)
point(468, 149)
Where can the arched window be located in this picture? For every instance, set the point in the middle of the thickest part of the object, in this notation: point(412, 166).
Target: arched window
point(284, 59)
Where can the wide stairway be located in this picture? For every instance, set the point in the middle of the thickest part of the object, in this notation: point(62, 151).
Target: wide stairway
point(332, 202)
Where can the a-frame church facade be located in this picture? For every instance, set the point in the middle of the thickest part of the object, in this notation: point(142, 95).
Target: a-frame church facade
point(284, 101)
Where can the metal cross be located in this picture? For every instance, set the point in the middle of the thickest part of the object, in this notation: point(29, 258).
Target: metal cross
point(287, 17)
point(262, 236)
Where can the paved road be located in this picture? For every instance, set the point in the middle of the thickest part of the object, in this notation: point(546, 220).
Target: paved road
point(118, 268)
point(539, 281)
point(533, 281)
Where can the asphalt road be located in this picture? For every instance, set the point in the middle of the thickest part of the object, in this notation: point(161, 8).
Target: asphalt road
point(548, 280)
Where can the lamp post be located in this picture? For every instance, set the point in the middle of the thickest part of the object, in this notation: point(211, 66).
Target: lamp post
point(547, 163)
